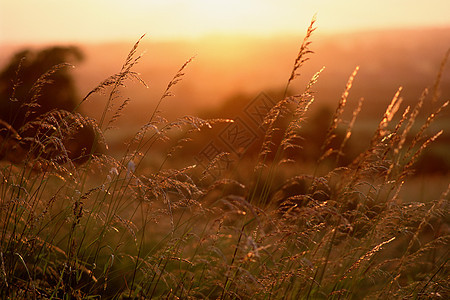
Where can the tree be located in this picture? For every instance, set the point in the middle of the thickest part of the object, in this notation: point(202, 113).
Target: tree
point(34, 85)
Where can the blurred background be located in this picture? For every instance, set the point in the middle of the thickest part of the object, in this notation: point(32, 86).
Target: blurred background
point(243, 48)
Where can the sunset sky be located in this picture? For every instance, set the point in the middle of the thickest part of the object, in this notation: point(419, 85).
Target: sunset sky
point(50, 21)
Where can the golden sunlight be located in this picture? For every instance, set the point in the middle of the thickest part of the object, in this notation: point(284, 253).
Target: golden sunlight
point(189, 149)
point(49, 21)
point(225, 16)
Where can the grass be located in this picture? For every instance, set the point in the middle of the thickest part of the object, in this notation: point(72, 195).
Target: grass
point(130, 227)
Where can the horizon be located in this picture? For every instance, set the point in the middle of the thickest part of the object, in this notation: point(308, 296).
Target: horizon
point(217, 38)
point(214, 76)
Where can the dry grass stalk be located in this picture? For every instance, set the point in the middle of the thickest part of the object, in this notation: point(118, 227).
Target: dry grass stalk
point(336, 119)
point(395, 139)
point(366, 257)
point(387, 118)
point(167, 93)
point(349, 129)
point(223, 156)
point(438, 207)
point(439, 78)
point(420, 135)
point(281, 108)
point(416, 155)
point(118, 79)
point(370, 160)
point(36, 89)
point(303, 103)
point(155, 119)
point(412, 120)
point(301, 59)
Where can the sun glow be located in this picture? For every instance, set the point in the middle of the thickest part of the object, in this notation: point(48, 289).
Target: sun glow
point(226, 16)
point(106, 20)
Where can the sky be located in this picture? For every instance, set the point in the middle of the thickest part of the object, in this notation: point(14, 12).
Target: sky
point(56, 21)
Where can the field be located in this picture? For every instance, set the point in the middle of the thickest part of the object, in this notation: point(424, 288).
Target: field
point(266, 197)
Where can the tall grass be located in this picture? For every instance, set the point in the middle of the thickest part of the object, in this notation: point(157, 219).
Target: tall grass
point(115, 227)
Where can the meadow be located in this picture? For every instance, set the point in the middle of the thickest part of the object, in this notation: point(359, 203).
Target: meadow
point(285, 206)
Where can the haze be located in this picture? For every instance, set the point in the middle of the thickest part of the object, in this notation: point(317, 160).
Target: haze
point(57, 21)
point(241, 47)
